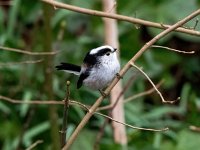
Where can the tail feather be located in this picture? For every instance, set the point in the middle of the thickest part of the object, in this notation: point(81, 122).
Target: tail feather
point(69, 68)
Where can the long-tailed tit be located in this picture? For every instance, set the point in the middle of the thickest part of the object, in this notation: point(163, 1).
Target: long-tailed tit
point(99, 67)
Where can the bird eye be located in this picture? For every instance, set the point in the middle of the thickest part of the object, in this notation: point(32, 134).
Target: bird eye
point(107, 54)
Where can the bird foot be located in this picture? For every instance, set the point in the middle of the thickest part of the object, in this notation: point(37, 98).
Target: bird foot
point(119, 76)
point(103, 93)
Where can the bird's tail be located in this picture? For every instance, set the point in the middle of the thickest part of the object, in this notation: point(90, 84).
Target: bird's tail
point(69, 68)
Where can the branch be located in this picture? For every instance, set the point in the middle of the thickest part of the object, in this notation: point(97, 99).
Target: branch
point(123, 91)
point(118, 17)
point(122, 72)
point(34, 145)
point(41, 102)
point(142, 93)
point(172, 49)
point(132, 97)
point(159, 93)
point(100, 134)
point(65, 115)
point(20, 63)
point(126, 86)
point(37, 102)
point(27, 52)
point(130, 126)
point(75, 103)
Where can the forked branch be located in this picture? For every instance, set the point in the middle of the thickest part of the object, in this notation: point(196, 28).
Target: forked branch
point(154, 86)
point(122, 72)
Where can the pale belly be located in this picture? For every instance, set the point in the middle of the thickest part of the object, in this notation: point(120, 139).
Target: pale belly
point(100, 78)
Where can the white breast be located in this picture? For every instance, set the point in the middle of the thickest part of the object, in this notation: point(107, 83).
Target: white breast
point(102, 75)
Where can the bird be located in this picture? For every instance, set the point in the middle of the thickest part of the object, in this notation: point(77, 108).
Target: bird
point(99, 67)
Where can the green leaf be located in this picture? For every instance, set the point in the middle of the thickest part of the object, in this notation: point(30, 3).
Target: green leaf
point(13, 17)
point(24, 108)
point(85, 140)
point(188, 140)
point(34, 131)
point(4, 108)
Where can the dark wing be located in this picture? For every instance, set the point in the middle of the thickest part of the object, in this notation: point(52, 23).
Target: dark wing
point(82, 77)
point(90, 60)
point(67, 66)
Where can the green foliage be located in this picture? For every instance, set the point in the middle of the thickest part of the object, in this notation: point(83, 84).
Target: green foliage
point(21, 26)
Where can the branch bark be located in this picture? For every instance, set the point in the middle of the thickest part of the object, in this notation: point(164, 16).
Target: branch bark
point(65, 116)
point(118, 17)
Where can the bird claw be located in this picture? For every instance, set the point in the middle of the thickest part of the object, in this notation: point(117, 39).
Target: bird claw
point(119, 76)
point(103, 93)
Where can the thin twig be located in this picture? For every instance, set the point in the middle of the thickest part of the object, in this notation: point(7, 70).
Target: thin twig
point(122, 72)
point(26, 123)
point(133, 127)
point(194, 27)
point(194, 128)
point(129, 82)
point(133, 97)
point(159, 93)
point(100, 134)
point(142, 93)
point(76, 104)
point(113, 7)
point(27, 52)
point(116, 16)
point(41, 102)
point(110, 106)
point(172, 49)
point(65, 116)
point(196, 23)
point(20, 63)
point(34, 144)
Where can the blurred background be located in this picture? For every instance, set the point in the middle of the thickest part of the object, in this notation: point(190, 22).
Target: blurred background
point(35, 27)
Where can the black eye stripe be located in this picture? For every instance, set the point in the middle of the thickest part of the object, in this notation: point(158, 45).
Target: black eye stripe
point(92, 59)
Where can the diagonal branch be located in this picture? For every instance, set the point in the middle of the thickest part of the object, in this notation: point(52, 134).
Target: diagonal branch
point(118, 17)
point(122, 72)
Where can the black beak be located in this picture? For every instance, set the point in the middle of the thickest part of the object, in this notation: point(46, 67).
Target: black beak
point(115, 49)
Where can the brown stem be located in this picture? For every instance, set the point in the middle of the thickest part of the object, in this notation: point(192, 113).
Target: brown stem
point(65, 115)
